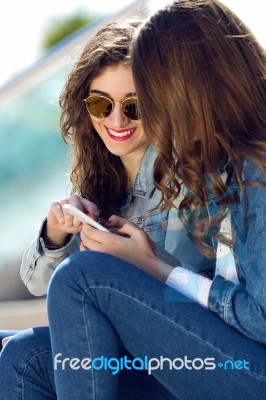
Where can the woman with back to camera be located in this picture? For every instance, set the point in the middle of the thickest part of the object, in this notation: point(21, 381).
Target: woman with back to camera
point(200, 79)
point(113, 167)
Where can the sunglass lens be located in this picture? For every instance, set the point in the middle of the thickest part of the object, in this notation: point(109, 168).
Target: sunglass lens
point(130, 109)
point(99, 106)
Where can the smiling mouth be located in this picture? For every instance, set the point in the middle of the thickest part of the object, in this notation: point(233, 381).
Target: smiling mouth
point(121, 134)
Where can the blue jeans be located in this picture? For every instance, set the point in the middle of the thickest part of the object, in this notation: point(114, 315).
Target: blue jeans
point(99, 304)
point(27, 372)
point(26, 366)
point(101, 307)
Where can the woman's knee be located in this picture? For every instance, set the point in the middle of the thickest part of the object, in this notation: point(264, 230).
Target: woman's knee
point(82, 271)
point(75, 272)
point(24, 345)
point(83, 267)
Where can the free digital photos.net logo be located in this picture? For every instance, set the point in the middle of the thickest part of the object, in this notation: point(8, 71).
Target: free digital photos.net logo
point(149, 364)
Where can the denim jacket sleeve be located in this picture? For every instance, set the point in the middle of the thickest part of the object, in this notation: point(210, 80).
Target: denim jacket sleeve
point(243, 305)
point(39, 263)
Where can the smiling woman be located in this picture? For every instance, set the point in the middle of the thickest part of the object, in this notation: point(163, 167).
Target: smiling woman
point(113, 164)
point(121, 132)
point(111, 129)
point(118, 298)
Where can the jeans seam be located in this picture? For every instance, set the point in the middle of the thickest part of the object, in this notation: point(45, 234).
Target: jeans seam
point(89, 344)
point(26, 366)
point(174, 323)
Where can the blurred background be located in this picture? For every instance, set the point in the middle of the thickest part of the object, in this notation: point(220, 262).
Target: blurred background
point(40, 41)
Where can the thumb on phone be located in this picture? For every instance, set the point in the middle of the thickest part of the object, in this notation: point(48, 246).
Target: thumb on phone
point(90, 207)
point(118, 222)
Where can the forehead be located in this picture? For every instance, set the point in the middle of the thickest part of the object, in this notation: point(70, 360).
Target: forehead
point(114, 78)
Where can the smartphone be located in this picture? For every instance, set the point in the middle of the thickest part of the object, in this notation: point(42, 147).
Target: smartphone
point(81, 216)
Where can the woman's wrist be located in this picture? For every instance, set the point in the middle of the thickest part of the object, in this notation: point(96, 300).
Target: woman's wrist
point(54, 238)
point(157, 268)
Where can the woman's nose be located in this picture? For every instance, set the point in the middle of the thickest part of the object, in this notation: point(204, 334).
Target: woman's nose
point(117, 117)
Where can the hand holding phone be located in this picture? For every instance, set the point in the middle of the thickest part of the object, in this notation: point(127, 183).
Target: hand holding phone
point(81, 216)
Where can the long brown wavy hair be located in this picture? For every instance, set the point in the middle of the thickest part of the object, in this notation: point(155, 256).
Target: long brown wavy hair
point(96, 174)
point(200, 77)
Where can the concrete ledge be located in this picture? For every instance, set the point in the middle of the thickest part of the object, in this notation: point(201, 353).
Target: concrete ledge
point(23, 314)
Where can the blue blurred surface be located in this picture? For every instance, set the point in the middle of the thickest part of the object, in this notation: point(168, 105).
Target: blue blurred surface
point(33, 168)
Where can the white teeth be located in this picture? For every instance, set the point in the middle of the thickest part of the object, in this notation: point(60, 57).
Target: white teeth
point(121, 134)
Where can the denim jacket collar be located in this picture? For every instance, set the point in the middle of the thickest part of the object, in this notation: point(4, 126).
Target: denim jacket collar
point(143, 185)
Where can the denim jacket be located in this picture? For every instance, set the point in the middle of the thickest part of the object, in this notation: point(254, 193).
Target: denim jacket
point(164, 228)
point(243, 305)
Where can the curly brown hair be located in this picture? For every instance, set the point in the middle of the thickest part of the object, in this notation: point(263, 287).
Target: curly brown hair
point(202, 73)
point(96, 174)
